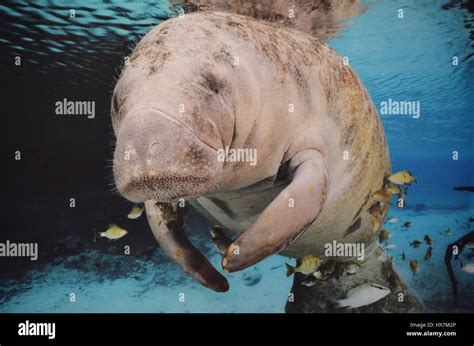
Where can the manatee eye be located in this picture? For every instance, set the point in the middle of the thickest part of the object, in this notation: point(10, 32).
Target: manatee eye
point(212, 82)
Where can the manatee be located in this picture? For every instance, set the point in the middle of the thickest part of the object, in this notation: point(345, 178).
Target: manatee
point(209, 82)
point(320, 18)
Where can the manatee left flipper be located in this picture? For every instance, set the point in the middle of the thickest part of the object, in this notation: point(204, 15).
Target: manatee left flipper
point(172, 239)
point(283, 222)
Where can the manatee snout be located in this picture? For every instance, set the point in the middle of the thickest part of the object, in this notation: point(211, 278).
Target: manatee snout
point(159, 158)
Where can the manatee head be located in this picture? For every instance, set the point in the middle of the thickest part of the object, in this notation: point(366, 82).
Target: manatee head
point(157, 157)
point(170, 115)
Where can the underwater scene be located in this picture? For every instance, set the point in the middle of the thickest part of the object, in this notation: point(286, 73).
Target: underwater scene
point(88, 249)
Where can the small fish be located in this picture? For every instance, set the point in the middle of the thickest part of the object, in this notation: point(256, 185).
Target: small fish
point(326, 270)
point(406, 225)
point(168, 214)
point(318, 275)
point(403, 256)
point(113, 232)
point(427, 239)
point(390, 246)
point(375, 224)
point(136, 212)
point(352, 268)
point(446, 232)
point(469, 245)
point(362, 295)
point(428, 253)
point(416, 244)
point(384, 235)
point(306, 265)
point(402, 178)
point(468, 268)
point(382, 196)
point(414, 266)
point(392, 220)
point(220, 240)
point(375, 209)
point(395, 190)
point(310, 281)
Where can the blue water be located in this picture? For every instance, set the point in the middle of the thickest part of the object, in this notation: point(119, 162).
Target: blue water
point(411, 59)
point(407, 59)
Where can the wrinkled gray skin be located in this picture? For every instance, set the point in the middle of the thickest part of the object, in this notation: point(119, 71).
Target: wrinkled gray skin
point(183, 97)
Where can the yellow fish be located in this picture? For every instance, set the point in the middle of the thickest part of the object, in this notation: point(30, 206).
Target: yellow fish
point(114, 232)
point(384, 235)
point(402, 178)
point(306, 265)
point(428, 240)
point(395, 190)
point(414, 266)
point(136, 212)
point(428, 253)
point(375, 224)
point(382, 196)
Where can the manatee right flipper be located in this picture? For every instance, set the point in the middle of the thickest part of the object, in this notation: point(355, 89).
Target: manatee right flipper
point(167, 227)
point(287, 216)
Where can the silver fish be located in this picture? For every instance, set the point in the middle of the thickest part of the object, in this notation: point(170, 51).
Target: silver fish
point(362, 295)
point(468, 268)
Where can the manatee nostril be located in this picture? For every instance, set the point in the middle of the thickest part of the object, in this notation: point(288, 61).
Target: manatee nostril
point(153, 148)
point(153, 152)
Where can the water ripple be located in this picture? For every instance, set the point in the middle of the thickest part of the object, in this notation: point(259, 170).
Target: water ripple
point(43, 33)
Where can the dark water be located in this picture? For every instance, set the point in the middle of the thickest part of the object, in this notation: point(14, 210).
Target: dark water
point(68, 157)
point(76, 59)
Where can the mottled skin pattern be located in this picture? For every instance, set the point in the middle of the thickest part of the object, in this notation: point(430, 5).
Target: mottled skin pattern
point(319, 18)
point(183, 96)
point(286, 67)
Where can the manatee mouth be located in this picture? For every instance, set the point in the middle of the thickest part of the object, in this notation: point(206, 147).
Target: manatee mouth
point(158, 158)
point(170, 188)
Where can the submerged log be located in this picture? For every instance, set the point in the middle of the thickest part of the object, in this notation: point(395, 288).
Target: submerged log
point(459, 244)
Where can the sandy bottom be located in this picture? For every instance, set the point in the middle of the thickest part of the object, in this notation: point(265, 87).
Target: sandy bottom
point(151, 288)
point(118, 283)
